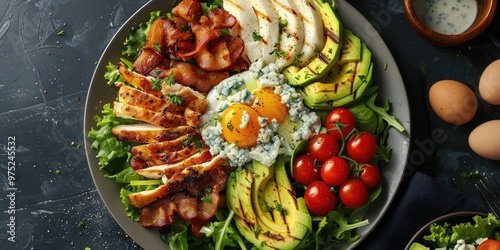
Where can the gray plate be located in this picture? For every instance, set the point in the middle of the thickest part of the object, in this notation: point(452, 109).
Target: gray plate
point(389, 80)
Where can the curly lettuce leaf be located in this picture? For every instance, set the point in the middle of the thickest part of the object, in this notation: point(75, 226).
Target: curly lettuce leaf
point(446, 234)
point(137, 36)
point(112, 153)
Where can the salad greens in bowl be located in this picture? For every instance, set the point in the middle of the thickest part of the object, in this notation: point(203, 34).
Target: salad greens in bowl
point(125, 164)
point(458, 228)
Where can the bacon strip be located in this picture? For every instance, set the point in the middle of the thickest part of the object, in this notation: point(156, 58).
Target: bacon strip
point(191, 75)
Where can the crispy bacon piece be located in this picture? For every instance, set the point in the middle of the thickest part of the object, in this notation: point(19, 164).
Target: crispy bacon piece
point(220, 18)
point(177, 183)
point(156, 38)
point(189, 10)
point(166, 119)
point(220, 53)
point(156, 172)
point(136, 97)
point(147, 61)
point(187, 204)
point(191, 75)
point(138, 80)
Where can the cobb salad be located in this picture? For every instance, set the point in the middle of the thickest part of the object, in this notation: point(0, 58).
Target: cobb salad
point(197, 119)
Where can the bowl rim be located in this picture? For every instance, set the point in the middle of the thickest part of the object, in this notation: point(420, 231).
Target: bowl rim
point(450, 40)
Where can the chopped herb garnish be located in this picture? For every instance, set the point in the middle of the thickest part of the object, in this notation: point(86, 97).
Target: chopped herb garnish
point(80, 224)
point(206, 198)
point(279, 53)
point(363, 78)
point(255, 229)
point(175, 99)
point(256, 36)
point(157, 46)
point(156, 82)
point(170, 79)
point(298, 59)
point(60, 33)
point(193, 140)
point(279, 208)
point(230, 126)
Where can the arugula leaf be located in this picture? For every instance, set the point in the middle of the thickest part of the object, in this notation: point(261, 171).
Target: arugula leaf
point(382, 112)
point(223, 232)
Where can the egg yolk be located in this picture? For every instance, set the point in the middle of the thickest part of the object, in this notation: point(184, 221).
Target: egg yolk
point(269, 105)
point(240, 125)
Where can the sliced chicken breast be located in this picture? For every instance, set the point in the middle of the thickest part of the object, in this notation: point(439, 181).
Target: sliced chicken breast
point(268, 28)
point(314, 37)
point(291, 35)
point(166, 119)
point(247, 27)
point(156, 172)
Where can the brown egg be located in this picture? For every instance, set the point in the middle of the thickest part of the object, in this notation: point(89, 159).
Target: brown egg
point(484, 140)
point(453, 101)
point(489, 83)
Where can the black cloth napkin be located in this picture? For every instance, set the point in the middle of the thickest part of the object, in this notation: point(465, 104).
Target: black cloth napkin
point(419, 200)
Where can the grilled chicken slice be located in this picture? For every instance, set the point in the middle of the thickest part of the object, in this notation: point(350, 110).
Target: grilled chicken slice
point(177, 183)
point(292, 35)
point(188, 97)
point(136, 97)
point(269, 29)
point(166, 119)
point(156, 172)
point(314, 37)
point(148, 133)
point(137, 80)
point(171, 157)
point(146, 151)
point(247, 27)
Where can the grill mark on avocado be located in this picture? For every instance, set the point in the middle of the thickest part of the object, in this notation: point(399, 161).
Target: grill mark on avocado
point(330, 34)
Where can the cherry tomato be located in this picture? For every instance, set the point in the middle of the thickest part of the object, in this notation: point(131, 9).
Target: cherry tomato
point(353, 193)
point(319, 199)
point(369, 175)
point(304, 170)
point(323, 146)
point(489, 245)
point(362, 147)
point(345, 120)
point(334, 171)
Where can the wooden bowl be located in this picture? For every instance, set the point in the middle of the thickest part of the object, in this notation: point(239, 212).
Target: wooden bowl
point(485, 13)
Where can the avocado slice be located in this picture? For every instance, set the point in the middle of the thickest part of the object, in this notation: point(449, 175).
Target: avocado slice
point(342, 80)
point(418, 246)
point(327, 57)
point(266, 210)
point(351, 48)
point(344, 101)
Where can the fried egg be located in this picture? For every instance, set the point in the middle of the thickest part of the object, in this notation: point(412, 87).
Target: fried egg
point(256, 115)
